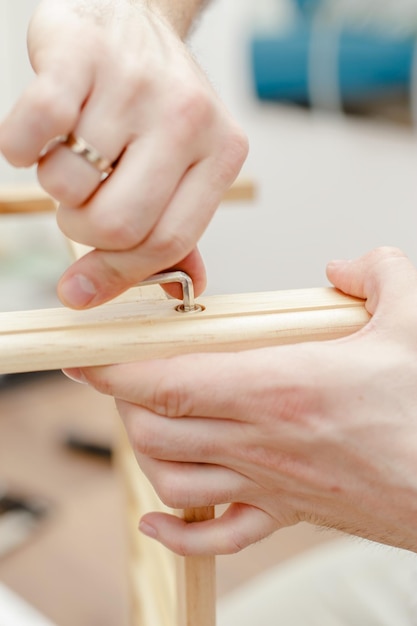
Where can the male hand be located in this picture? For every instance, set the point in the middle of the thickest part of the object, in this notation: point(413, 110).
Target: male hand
point(318, 432)
point(115, 74)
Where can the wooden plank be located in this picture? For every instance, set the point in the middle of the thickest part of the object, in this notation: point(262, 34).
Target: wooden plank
point(25, 199)
point(132, 329)
point(243, 189)
point(152, 568)
point(33, 199)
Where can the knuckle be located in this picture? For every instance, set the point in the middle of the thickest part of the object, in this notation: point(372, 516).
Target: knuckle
point(171, 399)
point(136, 79)
point(169, 244)
point(45, 112)
point(294, 404)
point(114, 230)
point(235, 542)
point(181, 547)
point(58, 186)
point(141, 433)
point(101, 383)
point(386, 252)
point(50, 106)
point(144, 440)
point(132, 86)
point(239, 146)
point(170, 492)
point(190, 109)
point(377, 262)
point(234, 152)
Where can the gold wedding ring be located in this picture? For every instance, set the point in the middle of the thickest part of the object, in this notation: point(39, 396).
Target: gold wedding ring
point(79, 146)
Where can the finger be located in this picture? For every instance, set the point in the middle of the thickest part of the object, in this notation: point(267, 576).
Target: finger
point(187, 485)
point(105, 274)
point(78, 291)
point(50, 107)
point(127, 206)
point(66, 176)
point(52, 104)
point(106, 127)
point(240, 526)
point(381, 277)
point(203, 443)
point(183, 386)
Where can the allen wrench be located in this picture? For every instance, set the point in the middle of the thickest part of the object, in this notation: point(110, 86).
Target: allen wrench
point(189, 305)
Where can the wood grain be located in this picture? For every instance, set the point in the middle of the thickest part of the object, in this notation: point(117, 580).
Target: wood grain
point(133, 328)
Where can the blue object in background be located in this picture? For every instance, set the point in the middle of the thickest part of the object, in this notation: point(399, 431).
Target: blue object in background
point(307, 7)
point(368, 65)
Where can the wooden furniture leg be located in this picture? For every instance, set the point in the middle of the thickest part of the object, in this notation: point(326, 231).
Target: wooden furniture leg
point(182, 590)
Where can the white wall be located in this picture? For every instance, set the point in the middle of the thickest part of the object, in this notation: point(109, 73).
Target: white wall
point(15, 70)
point(327, 186)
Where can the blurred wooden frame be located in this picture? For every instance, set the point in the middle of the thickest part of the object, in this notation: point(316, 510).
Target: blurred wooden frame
point(166, 590)
point(32, 199)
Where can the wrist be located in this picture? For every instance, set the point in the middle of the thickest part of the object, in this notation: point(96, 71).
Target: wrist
point(180, 15)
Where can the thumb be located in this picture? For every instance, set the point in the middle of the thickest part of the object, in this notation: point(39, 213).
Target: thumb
point(382, 277)
point(99, 276)
point(238, 527)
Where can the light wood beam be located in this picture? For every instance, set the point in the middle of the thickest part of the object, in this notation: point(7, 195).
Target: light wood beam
point(133, 328)
point(33, 199)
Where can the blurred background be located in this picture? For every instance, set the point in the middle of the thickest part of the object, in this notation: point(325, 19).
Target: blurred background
point(326, 91)
point(330, 184)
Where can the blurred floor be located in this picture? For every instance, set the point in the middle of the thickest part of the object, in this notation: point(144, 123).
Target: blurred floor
point(73, 566)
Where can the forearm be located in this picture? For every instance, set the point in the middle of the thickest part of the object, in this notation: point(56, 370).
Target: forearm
point(180, 13)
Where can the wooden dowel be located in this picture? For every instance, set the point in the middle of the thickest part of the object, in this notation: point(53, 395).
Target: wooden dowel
point(164, 587)
point(132, 330)
point(197, 595)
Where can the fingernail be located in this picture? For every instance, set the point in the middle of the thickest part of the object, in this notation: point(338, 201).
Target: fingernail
point(77, 291)
point(147, 530)
point(76, 375)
